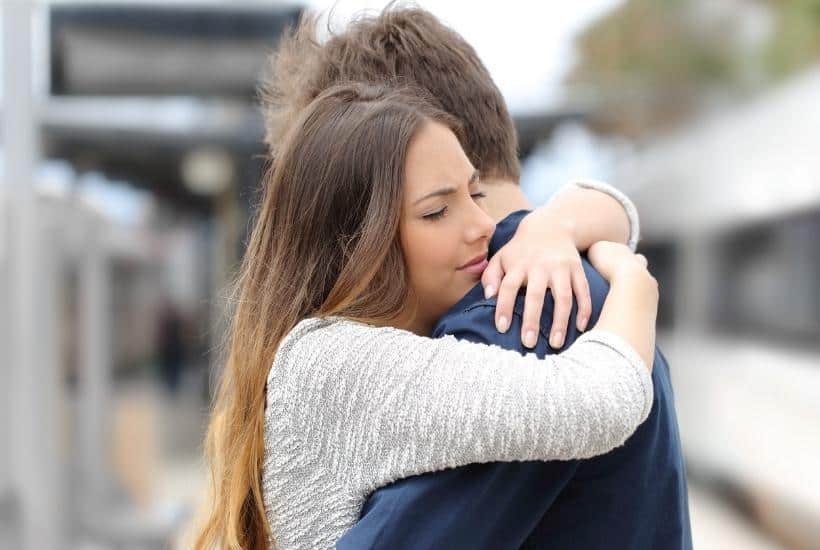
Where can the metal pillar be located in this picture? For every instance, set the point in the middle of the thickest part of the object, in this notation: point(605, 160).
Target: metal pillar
point(94, 379)
point(34, 375)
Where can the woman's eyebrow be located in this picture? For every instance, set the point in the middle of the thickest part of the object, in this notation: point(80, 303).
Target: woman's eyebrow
point(437, 193)
point(449, 190)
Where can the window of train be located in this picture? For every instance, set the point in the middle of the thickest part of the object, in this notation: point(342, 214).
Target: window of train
point(769, 280)
point(661, 258)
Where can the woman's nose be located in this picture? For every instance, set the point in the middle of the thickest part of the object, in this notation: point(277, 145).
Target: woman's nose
point(481, 225)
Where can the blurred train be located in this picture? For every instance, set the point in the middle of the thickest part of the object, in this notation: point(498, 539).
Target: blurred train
point(730, 210)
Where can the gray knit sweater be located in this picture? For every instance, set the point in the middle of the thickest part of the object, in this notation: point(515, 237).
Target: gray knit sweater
point(351, 407)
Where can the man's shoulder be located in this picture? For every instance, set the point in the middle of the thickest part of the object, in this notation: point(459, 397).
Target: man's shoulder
point(473, 319)
point(505, 229)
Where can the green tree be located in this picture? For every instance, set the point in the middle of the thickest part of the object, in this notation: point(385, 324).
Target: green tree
point(648, 62)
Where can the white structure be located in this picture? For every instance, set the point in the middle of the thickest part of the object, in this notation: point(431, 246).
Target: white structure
point(751, 163)
point(747, 404)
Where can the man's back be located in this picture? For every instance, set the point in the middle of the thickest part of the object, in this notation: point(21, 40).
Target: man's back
point(633, 497)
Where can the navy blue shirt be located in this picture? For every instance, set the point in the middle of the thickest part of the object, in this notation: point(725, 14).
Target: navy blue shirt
point(632, 497)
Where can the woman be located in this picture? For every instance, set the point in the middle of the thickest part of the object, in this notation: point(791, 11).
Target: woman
point(370, 229)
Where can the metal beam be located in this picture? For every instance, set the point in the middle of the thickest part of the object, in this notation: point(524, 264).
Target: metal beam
point(168, 49)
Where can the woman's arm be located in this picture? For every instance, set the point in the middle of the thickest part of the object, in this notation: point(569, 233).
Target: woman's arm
point(592, 211)
point(631, 305)
point(377, 404)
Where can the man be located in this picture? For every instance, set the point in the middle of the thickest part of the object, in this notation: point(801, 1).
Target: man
point(633, 497)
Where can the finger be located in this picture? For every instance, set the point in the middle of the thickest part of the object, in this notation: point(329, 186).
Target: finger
point(642, 259)
point(507, 291)
point(580, 287)
point(562, 295)
point(491, 278)
point(533, 304)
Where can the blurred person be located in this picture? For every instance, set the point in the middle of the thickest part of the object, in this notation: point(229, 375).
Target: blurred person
point(332, 386)
point(633, 497)
point(171, 346)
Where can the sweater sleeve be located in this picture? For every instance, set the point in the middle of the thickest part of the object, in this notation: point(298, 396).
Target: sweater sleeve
point(378, 404)
point(626, 203)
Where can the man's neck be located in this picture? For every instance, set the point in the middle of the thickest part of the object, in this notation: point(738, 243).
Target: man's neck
point(503, 198)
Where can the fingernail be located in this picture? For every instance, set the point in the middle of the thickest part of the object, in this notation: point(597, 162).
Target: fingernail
point(529, 339)
point(555, 339)
point(582, 323)
point(502, 324)
point(489, 291)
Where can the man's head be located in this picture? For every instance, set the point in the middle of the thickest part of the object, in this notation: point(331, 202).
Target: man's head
point(403, 45)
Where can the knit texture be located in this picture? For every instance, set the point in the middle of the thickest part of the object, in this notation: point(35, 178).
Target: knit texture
point(352, 407)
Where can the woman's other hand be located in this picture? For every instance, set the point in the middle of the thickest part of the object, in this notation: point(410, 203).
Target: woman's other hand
point(631, 305)
point(539, 258)
point(612, 260)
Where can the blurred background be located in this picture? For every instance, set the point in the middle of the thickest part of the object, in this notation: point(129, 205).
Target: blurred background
point(131, 156)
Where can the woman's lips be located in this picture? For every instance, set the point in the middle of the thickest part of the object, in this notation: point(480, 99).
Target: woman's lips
point(476, 265)
point(475, 268)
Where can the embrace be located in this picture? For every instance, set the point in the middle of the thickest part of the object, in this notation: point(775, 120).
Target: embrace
point(417, 357)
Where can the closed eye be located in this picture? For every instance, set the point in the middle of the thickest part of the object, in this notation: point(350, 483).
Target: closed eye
point(443, 210)
point(436, 215)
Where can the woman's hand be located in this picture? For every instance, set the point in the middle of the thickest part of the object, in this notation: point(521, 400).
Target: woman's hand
point(631, 306)
point(539, 257)
point(613, 260)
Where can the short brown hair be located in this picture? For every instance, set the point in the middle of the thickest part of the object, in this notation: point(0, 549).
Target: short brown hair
point(407, 45)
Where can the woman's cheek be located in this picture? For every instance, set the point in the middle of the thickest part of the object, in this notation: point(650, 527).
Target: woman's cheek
point(440, 251)
point(434, 251)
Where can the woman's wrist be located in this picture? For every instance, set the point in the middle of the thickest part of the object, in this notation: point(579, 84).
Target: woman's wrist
point(546, 222)
point(626, 203)
point(630, 311)
point(631, 270)
point(638, 288)
point(588, 215)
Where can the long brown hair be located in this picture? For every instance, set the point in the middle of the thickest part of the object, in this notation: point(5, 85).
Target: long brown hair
point(325, 243)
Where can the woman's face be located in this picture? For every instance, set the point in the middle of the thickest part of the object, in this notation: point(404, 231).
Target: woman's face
point(444, 228)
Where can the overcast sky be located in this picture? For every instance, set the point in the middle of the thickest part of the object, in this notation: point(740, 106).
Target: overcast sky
point(526, 45)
